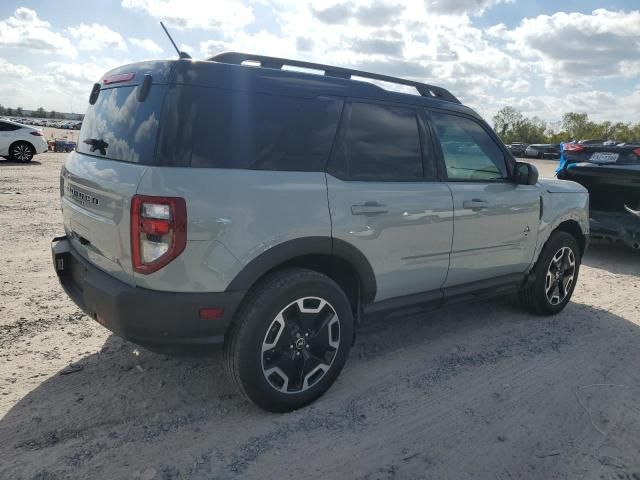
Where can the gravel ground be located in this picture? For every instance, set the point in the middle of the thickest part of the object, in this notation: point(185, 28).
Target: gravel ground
point(481, 391)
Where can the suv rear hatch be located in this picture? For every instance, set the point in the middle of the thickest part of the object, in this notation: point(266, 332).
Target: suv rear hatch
point(116, 145)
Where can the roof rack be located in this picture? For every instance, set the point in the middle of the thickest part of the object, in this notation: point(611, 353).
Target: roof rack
point(423, 89)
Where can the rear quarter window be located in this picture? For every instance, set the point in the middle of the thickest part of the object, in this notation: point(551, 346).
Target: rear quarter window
point(217, 128)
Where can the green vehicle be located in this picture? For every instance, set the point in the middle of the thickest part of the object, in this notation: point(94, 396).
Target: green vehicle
point(273, 210)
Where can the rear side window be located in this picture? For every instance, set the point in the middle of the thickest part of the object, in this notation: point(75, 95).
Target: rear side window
point(469, 152)
point(119, 127)
point(379, 143)
point(8, 127)
point(219, 128)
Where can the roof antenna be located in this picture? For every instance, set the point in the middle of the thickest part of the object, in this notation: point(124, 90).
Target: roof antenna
point(180, 54)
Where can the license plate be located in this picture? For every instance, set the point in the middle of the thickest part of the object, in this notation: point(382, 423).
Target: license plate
point(604, 157)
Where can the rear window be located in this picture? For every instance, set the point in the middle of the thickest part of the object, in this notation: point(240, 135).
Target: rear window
point(217, 128)
point(119, 127)
point(381, 143)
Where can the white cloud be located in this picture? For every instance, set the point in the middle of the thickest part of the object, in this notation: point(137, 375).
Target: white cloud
point(63, 86)
point(604, 43)
point(229, 16)
point(461, 7)
point(96, 37)
point(11, 70)
point(186, 48)
point(24, 30)
point(146, 44)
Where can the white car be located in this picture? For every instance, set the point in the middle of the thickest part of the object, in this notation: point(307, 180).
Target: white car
point(20, 143)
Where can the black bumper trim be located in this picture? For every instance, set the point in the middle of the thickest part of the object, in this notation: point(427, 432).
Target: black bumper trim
point(141, 315)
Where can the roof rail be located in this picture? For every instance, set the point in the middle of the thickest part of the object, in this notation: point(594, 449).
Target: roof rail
point(423, 89)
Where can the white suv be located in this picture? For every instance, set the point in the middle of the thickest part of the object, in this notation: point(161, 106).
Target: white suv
point(20, 143)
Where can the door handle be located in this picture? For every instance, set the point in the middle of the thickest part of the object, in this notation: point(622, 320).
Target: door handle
point(369, 208)
point(475, 204)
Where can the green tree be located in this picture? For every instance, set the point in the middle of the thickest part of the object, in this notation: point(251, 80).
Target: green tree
point(506, 123)
point(19, 111)
point(53, 114)
point(577, 125)
point(9, 111)
point(41, 112)
point(2, 110)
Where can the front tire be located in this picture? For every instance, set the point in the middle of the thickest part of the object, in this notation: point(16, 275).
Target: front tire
point(290, 339)
point(556, 274)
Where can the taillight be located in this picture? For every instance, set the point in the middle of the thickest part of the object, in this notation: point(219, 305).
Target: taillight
point(573, 147)
point(158, 231)
point(637, 152)
point(35, 133)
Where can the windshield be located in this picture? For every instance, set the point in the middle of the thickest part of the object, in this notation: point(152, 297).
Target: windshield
point(119, 127)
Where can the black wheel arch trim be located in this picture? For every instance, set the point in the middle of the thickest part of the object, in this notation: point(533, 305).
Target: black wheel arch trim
point(291, 249)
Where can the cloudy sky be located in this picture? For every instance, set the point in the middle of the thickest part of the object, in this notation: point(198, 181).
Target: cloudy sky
point(543, 57)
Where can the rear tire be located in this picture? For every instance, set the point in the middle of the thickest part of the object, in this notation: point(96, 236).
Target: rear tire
point(289, 340)
point(22, 152)
point(556, 274)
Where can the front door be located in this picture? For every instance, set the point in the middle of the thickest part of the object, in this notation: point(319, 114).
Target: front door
point(495, 220)
point(385, 200)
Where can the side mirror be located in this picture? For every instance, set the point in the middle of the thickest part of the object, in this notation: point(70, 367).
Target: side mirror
point(525, 174)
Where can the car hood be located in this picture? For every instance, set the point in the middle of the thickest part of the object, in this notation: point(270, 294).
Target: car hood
point(552, 185)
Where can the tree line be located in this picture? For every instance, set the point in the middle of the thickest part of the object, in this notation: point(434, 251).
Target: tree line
point(39, 113)
point(512, 126)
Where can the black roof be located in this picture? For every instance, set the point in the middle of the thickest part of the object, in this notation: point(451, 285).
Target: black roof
point(232, 70)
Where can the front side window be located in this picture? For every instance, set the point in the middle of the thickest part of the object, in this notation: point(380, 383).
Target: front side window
point(380, 143)
point(469, 152)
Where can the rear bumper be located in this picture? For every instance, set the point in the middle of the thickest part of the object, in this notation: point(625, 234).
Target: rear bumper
point(611, 189)
point(617, 227)
point(138, 314)
point(40, 145)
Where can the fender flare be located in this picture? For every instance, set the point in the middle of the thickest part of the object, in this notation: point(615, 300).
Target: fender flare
point(299, 247)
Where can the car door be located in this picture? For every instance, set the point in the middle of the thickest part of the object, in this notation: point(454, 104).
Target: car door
point(6, 136)
point(495, 219)
point(385, 200)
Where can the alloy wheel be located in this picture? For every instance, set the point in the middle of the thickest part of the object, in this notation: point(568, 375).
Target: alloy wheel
point(300, 345)
point(560, 275)
point(22, 153)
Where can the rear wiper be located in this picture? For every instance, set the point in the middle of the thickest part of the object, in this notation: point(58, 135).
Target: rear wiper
point(97, 144)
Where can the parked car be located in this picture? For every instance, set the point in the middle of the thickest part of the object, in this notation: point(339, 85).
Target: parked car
point(591, 142)
point(275, 211)
point(20, 143)
point(517, 148)
point(64, 146)
point(543, 151)
point(611, 173)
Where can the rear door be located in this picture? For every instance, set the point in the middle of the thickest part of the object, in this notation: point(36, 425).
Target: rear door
point(116, 146)
point(385, 199)
point(495, 220)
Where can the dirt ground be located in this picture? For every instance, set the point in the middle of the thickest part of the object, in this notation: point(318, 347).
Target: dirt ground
point(482, 391)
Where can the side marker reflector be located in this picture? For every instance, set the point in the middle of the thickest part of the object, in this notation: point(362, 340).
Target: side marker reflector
point(211, 313)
